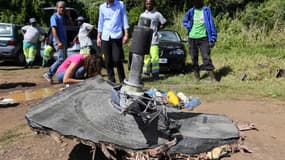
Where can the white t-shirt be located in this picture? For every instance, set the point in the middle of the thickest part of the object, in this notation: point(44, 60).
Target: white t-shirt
point(83, 37)
point(156, 19)
point(32, 33)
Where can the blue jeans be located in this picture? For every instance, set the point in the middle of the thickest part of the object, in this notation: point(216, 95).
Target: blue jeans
point(61, 55)
point(79, 74)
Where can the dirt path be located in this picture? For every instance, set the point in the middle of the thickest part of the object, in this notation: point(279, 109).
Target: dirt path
point(19, 142)
point(268, 117)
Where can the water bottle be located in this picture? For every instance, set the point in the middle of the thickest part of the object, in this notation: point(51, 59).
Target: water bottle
point(151, 92)
point(195, 102)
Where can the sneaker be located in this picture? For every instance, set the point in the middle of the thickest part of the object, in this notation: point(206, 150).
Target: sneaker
point(46, 76)
point(63, 88)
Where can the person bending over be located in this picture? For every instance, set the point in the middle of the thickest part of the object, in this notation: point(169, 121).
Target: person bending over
point(78, 67)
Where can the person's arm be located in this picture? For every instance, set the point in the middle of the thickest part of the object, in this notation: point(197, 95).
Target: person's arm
point(67, 78)
point(90, 31)
point(99, 41)
point(89, 28)
point(161, 26)
point(126, 36)
point(126, 25)
point(162, 21)
point(23, 30)
point(186, 20)
point(212, 27)
point(100, 27)
point(53, 24)
point(75, 38)
point(55, 35)
point(43, 33)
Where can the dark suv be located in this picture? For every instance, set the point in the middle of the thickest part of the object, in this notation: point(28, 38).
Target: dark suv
point(11, 43)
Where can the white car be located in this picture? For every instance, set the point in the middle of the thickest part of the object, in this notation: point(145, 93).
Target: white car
point(11, 43)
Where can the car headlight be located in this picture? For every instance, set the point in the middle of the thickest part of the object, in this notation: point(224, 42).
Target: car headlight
point(176, 52)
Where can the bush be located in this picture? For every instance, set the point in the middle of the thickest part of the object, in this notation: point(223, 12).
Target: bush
point(267, 13)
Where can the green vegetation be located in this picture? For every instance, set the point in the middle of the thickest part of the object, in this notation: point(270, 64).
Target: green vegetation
point(230, 65)
point(256, 50)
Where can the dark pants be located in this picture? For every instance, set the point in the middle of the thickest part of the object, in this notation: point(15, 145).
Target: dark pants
point(113, 54)
point(201, 44)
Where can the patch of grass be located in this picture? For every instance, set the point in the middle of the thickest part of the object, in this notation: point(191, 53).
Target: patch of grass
point(259, 70)
point(11, 135)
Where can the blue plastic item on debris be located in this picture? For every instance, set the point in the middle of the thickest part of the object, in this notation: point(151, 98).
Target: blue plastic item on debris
point(151, 92)
point(193, 103)
point(154, 92)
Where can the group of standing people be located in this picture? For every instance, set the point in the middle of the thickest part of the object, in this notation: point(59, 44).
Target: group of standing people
point(113, 33)
point(76, 67)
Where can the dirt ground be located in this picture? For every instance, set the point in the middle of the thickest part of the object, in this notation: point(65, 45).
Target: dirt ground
point(19, 142)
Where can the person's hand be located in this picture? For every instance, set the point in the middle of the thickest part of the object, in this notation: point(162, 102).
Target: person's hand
point(99, 42)
point(212, 44)
point(43, 39)
point(59, 45)
point(125, 39)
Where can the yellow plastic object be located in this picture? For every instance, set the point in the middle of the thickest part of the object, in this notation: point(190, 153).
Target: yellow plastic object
point(172, 98)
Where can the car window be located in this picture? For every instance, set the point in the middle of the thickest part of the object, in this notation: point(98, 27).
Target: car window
point(169, 36)
point(5, 30)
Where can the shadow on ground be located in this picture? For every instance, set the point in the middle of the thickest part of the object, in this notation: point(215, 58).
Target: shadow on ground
point(9, 105)
point(85, 152)
point(222, 72)
point(219, 73)
point(14, 85)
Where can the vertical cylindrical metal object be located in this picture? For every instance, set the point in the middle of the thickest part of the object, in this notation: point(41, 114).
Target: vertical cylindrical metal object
point(146, 22)
point(141, 42)
point(135, 71)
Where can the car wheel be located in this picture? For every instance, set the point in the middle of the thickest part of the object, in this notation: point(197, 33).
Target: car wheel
point(21, 59)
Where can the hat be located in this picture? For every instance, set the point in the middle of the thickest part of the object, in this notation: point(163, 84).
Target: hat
point(32, 20)
point(80, 18)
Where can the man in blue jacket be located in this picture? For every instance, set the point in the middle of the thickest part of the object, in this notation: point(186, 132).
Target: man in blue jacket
point(202, 36)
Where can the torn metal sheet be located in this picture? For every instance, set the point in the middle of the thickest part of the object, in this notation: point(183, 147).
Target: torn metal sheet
point(85, 111)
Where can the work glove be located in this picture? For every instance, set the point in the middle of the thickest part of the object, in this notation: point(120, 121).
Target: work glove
point(212, 44)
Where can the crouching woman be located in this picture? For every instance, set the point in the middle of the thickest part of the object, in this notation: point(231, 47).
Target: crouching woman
point(78, 67)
